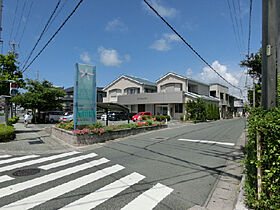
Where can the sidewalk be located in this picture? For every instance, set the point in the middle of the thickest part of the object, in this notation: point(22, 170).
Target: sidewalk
point(33, 139)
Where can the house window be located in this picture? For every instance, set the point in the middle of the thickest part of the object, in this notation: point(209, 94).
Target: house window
point(171, 87)
point(213, 93)
point(178, 108)
point(129, 91)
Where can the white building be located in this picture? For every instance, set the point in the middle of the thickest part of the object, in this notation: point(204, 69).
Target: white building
point(165, 97)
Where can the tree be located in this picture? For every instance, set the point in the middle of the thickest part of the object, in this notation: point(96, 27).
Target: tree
point(9, 71)
point(42, 96)
point(196, 110)
point(254, 65)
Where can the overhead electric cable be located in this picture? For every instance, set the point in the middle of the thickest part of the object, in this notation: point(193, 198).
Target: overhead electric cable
point(42, 33)
point(61, 26)
point(237, 38)
point(27, 19)
point(238, 25)
point(192, 49)
point(19, 22)
point(13, 23)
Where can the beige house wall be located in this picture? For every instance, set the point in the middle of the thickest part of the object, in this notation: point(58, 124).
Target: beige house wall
point(172, 79)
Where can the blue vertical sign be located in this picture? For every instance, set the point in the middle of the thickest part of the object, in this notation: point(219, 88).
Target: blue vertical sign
point(84, 95)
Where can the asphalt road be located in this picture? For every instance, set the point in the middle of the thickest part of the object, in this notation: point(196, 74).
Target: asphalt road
point(155, 169)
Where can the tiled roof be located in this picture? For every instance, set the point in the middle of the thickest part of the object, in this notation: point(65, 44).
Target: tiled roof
point(140, 80)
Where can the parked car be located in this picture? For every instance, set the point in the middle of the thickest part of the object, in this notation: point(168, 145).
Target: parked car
point(139, 115)
point(104, 117)
point(117, 115)
point(53, 116)
point(67, 117)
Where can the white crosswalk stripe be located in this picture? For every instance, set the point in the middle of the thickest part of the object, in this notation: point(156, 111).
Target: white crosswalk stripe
point(149, 199)
point(65, 162)
point(80, 164)
point(5, 156)
point(5, 178)
point(96, 198)
point(40, 160)
point(44, 196)
point(50, 177)
point(17, 159)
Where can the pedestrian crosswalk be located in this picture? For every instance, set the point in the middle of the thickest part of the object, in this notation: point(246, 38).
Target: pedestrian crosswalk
point(77, 174)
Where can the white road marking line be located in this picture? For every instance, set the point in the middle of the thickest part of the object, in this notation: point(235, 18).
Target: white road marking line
point(5, 156)
point(40, 160)
point(54, 192)
point(49, 177)
point(17, 159)
point(103, 194)
point(150, 198)
point(68, 161)
point(5, 178)
point(208, 142)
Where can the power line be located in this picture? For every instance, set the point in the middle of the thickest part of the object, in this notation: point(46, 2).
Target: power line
point(27, 19)
point(13, 24)
point(194, 51)
point(19, 22)
point(237, 38)
point(61, 26)
point(42, 33)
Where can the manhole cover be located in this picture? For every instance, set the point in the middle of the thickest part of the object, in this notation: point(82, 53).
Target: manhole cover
point(159, 138)
point(26, 172)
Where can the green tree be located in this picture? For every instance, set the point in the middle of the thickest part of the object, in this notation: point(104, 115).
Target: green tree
point(42, 96)
point(9, 71)
point(254, 65)
point(196, 110)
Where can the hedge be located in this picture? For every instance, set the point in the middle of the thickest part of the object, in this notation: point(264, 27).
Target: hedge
point(7, 133)
point(12, 121)
point(267, 124)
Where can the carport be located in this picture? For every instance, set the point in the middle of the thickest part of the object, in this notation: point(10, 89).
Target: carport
point(113, 107)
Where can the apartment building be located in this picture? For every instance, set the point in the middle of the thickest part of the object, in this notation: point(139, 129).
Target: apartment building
point(167, 96)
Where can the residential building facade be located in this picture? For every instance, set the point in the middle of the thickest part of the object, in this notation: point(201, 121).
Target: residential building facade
point(221, 92)
point(167, 96)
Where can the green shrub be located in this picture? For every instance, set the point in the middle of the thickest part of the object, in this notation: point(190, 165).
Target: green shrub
point(182, 117)
point(158, 118)
point(167, 117)
point(149, 122)
point(196, 110)
point(11, 121)
point(6, 133)
point(267, 124)
point(144, 117)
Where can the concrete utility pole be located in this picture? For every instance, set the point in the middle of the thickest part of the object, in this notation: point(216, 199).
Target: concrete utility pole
point(1, 5)
point(13, 51)
point(270, 46)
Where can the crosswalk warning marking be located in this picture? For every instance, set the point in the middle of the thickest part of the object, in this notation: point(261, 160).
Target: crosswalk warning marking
point(5, 156)
point(150, 198)
point(17, 159)
point(54, 192)
point(68, 161)
point(49, 177)
point(103, 194)
point(5, 178)
point(40, 160)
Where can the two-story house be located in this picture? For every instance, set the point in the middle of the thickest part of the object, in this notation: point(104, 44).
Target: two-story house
point(221, 92)
point(167, 96)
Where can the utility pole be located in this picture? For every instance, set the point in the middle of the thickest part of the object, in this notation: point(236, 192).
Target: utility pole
point(1, 41)
point(13, 51)
point(37, 75)
point(270, 39)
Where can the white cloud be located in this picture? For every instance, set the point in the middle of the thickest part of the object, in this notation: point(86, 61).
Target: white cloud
point(160, 45)
point(164, 44)
point(116, 25)
point(110, 57)
point(236, 78)
point(163, 11)
point(85, 57)
point(189, 72)
point(171, 37)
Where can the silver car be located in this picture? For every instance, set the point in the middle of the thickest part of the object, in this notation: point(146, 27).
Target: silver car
point(66, 118)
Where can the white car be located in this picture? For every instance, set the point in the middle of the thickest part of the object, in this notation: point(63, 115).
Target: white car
point(104, 117)
point(66, 118)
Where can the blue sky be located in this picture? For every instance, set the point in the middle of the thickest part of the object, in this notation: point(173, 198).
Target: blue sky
point(125, 37)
